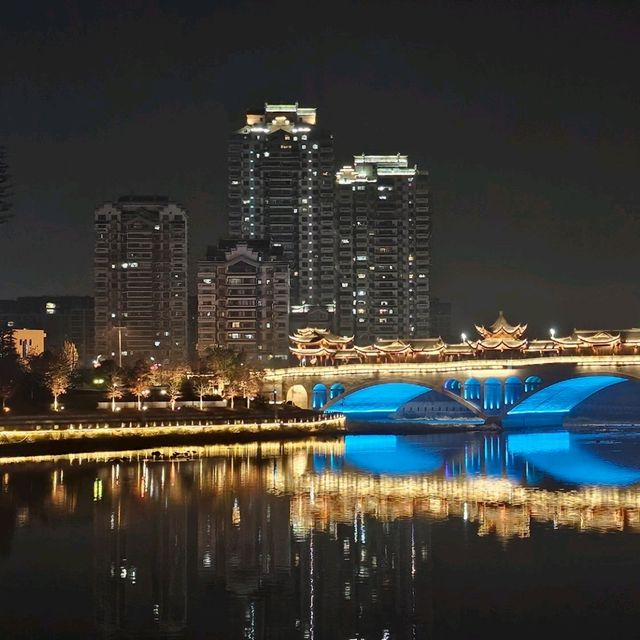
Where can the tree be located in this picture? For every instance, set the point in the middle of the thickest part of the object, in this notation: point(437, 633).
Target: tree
point(139, 379)
point(5, 188)
point(175, 379)
point(71, 354)
point(223, 363)
point(57, 374)
point(203, 386)
point(115, 387)
point(230, 391)
point(11, 371)
point(250, 383)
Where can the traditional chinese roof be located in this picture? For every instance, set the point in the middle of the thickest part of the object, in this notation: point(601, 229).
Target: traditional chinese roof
point(567, 342)
point(598, 338)
point(501, 344)
point(502, 329)
point(310, 352)
point(367, 351)
point(462, 348)
point(542, 345)
point(428, 345)
point(346, 354)
point(313, 336)
point(392, 346)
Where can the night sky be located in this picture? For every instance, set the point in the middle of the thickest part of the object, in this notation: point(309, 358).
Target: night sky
point(525, 114)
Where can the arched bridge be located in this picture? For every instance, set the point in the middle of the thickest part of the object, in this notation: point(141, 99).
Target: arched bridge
point(516, 393)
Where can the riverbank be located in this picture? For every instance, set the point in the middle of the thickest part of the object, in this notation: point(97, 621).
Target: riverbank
point(78, 435)
point(50, 435)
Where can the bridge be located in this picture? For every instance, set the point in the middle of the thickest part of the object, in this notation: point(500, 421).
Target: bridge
point(514, 392)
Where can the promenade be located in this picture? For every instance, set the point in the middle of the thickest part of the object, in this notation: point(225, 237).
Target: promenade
point(59, 434)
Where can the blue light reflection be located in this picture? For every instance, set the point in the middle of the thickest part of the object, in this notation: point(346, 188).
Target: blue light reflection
point(390, 455)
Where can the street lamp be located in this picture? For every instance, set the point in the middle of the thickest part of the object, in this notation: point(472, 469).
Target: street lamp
point(552, 333)
point(119, 328)
point(275, 406)
point(463, 336)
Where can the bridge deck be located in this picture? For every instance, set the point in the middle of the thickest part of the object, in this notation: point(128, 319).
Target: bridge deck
point(364, 369)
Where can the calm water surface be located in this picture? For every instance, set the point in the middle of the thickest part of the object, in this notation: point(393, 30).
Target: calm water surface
point(371, 537)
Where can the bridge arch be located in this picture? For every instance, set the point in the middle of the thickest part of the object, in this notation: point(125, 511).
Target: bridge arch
point(453, 385)
point(513, 389)
point(385, 398)
point(471, 390)
point(531, 383)
point(379, 398)
point(318, 396)
point(336, 389)
point(492, 400)
point(298, 395)
point(550, 404)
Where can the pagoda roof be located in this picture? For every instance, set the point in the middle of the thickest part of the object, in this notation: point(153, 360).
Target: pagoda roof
point(501, 328)
point(501, 344)
point(310, 335)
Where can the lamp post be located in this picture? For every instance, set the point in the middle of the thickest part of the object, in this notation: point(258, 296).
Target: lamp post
point(552, 333)
point(463, 336)
point(119, 328)
point(275, 406)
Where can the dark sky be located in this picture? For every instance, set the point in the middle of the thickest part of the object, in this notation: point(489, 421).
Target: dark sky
point(525, 113)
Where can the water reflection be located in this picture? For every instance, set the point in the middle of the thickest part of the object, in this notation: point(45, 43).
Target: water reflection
point(355, 538)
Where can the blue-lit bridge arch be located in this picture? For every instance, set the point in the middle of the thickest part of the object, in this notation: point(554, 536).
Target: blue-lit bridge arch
point(385, 399)
point(550, 404)
point(506, 402)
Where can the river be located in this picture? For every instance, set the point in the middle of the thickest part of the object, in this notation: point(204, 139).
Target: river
point(462, 535)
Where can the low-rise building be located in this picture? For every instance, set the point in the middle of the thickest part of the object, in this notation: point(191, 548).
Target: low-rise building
point(29, 342)
point(62, 318)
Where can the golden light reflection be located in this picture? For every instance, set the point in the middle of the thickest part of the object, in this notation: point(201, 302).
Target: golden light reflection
point(318, 500)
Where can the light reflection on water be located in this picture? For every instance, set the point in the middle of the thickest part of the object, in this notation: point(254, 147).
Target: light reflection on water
point(365, 537)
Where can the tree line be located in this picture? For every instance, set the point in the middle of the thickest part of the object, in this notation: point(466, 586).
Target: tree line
point(219, 372)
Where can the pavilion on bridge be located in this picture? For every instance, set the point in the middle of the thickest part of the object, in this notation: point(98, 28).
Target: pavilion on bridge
point(313, 346)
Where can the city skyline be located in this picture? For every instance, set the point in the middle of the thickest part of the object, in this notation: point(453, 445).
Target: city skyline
point(529, 135)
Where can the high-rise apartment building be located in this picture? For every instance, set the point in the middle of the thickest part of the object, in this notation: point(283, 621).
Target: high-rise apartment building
point(383, 236)
point(281, 187)
point(141, 280)
point(243, 300)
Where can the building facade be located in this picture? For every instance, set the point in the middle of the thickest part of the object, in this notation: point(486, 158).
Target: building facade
point(141, 280)
point(383, 221)
point(243, 300)
point(63, 318)
point(281, 188)
point(29, 342)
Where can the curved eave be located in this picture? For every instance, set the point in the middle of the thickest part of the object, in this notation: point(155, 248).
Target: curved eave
point(391, 350)
point(600, 342)
point(502, 345)
point(312, 352)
